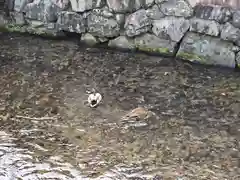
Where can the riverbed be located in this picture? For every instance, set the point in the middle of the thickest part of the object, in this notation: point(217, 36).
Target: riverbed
point(49, 132)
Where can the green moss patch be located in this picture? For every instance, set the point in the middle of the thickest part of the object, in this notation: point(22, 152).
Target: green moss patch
point(15, 28)
point(154, 50)
point(41, 31)
point(191, 57)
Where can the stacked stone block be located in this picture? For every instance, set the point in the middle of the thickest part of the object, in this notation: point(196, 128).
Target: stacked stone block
point(207, 34)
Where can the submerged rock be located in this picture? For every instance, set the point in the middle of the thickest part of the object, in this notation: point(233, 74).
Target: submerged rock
point(170, 28)
point(208, 27)
point(151, 43)
point(122, 42)
point(89, 39)
point(207, 50)
point(137, 23)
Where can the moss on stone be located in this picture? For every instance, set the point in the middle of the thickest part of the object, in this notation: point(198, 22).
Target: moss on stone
point(41, 31)
point(15, 28)
point(154, 50)
point(191, 57)
point(238, 65)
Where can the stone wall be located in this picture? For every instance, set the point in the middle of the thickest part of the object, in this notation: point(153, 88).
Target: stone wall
point(202, 33)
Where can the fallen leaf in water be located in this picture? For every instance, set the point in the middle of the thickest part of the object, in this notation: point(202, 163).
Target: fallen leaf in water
point(46, 99)
point(140, 113)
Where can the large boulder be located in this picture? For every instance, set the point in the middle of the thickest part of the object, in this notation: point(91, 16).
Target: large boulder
point(207, 50)
point(83, 5)
point(218, 13)
point(202, 26)
point(152, 44)
point(71, 22)
point(137, 23)
point(230, 33)
point(170, 28)
point(175, 8)
point(102, 27)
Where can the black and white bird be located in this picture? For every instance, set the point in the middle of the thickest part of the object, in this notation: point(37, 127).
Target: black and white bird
point(94, 99)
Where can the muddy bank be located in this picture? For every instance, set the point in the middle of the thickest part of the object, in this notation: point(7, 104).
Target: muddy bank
point(47, 131)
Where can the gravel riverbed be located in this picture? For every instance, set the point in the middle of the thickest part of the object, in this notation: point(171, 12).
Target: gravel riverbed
point(48, 131)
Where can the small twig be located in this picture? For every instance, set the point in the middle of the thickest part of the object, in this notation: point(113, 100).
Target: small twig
point(35, 118)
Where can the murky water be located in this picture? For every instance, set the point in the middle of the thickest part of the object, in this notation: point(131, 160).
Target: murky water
point(48, 131)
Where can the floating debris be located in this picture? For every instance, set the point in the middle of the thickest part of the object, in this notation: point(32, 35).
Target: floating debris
point(94, 99)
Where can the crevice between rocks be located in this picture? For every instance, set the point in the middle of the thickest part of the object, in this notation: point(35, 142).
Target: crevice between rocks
point(176, 49)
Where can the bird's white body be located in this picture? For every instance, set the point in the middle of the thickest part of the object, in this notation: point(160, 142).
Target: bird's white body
point(94, 97)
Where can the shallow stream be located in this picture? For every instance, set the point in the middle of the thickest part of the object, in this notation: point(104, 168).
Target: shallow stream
point(48, 132)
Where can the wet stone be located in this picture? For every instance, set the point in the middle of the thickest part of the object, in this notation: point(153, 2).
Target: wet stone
point(103, 12)
point(2, 20)
point(122, 42)
point(230, 33)
point(149, 3)
point(137, 23)
point(34, 10)
point(207, 50)
point(170, 28)
point(102, 27)
point(120, 18)
point(46, 11)
point(160, 1)
point(89, 39)
point(19, 5)
point(155, 13)
point(176, 8)
point(208, 27)
point(152, 44)
point(71, 22)
point(83, 5)
point(238, 59)
point(19, 18)
point(236, 19)
point(123, 6)
point(217, 13)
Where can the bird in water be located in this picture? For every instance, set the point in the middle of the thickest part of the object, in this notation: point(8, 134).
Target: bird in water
point(94, 99)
